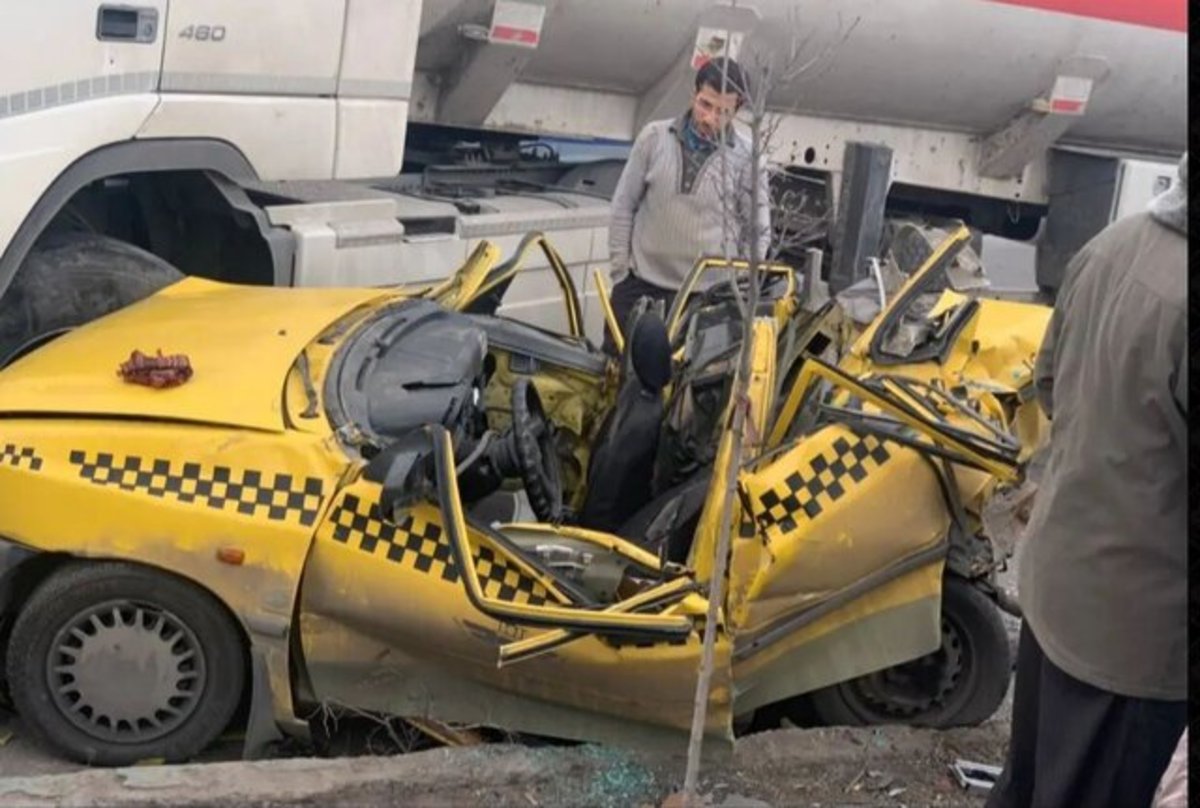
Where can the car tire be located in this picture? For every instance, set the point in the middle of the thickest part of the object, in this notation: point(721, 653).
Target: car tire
point(961, 684)
point(113, 663)
point(70, 279)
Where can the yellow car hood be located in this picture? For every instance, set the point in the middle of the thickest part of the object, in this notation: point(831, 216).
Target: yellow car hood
point(241, 342)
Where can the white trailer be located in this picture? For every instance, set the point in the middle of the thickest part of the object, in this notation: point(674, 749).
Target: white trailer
point(1020, 117)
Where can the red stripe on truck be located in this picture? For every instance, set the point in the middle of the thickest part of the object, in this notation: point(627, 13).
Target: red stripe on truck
point(1065, 106)
point(1168, 14)
point(507, 33)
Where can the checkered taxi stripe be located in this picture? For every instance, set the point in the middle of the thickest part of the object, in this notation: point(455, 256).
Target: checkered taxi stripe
point(20, 456)
point(424, 546)
point(806, 492)
point(277, 497)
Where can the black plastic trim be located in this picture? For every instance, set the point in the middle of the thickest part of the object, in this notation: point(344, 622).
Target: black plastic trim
point(12, 556)
point(527, 340)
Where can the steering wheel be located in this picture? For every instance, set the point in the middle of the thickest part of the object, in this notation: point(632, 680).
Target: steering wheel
point(541, 469)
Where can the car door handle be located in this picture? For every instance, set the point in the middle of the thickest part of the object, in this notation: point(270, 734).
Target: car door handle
point(116, 23)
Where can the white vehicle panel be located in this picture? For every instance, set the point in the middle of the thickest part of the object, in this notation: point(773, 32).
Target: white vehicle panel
point(380, 49)
point(1138, 182)
point(282, 138)
point(67, 100)
point(54, 75)
point(255, 47)
point(370, 138)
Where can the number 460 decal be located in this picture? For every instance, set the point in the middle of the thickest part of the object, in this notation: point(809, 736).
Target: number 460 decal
point(203, 33)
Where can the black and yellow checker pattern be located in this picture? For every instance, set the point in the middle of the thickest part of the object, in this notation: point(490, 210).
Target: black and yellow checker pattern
point(503, 581)
point(20, 457)
point(413, 542)
point(277, 497)
point(424, 546)
point(805, 493)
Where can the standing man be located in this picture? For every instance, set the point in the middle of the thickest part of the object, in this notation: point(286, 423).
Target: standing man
point(686, 191)
point(1101, 683)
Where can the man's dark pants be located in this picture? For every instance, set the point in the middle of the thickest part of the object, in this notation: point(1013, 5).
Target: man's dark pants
point(625, 294)
point(1076, 745)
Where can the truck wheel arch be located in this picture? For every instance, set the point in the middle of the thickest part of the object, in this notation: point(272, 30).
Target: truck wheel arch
point(136, 156)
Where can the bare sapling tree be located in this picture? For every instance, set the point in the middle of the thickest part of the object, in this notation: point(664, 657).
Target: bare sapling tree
point(748, 234)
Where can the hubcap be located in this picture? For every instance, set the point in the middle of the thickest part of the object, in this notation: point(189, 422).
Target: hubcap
point(125, 672)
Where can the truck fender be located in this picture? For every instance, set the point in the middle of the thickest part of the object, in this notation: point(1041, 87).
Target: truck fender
point(130, 156)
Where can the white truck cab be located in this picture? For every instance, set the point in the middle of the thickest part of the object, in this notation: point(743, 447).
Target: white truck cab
point(247, 140)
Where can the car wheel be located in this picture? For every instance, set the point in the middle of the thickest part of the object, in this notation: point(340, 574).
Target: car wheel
point(960, 684)
point(71, 279)
point(113, 663)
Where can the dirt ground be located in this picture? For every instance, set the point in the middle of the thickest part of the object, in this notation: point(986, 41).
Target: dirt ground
point(821, 768)
point(835, 766)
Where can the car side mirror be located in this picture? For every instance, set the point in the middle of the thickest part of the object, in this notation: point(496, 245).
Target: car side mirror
point(405, 470)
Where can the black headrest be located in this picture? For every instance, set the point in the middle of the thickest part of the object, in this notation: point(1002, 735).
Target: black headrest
point(650, 351)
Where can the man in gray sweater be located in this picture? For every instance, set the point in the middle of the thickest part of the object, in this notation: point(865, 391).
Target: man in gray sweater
point(1100, 698)
point(686, 191)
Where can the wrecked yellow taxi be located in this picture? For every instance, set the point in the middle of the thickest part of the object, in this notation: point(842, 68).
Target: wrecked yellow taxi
point(398, 501)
